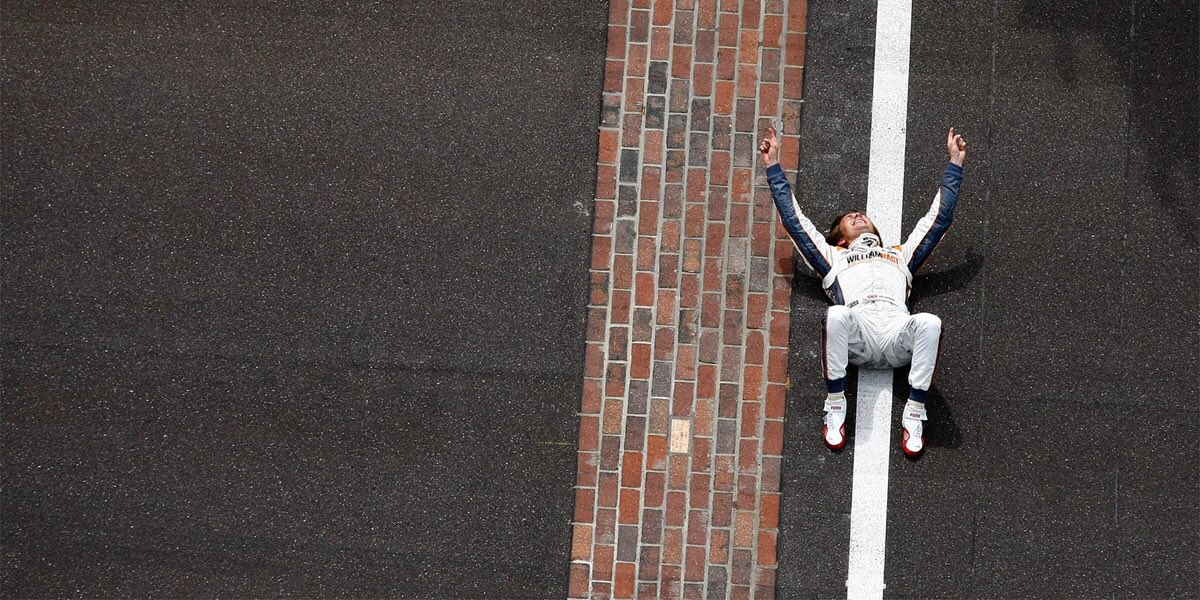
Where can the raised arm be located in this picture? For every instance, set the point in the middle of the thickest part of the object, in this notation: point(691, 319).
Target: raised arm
point(929, 230)
point(808, 239)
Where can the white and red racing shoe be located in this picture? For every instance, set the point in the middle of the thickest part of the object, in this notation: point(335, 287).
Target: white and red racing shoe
point(834, 431)
point(913, 440)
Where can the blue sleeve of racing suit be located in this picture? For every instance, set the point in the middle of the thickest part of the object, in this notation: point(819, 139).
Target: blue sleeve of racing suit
point(929, 230)
point(809, 241)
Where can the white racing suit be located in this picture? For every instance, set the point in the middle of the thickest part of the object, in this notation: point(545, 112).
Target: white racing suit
point(869, 324)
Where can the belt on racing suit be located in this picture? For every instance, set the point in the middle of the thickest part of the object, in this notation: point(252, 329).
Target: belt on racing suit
point(873, 298)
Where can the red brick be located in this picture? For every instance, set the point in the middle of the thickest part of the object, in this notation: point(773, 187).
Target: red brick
point(753, 381)
point(703, 426)
point(630, 506)
point(781, 293)
point(777, 365)
point(697, 528)
point(591, 396)
point(656, 453)
point(722, 511)
point(761, 240)
point(683, 398)
point(580, 580)
point(747, 83)
point(755, 347)
point(718, 546)
point(652, 152)
point(660, 413)
point(681, 61)
point(772, 31)
point(766, 547)
point(702, 80)
point(779, 329)
point(793, 83)
point(589, 433)
point(586, 472)
point(705, 46)
point(693, 221)
point(639, 363)
point(625, 579)
point(670, 236)
point(699, 488)
point(648, 217)
point(635, 91)
point(706, 15)
point(744, 527)
point(612, 416)
point(676, 509)
point(648, 590)
point(644, 289)
point(656, 490)
point(722, 102)
point(748, 47)
point(770, 473)
point(743, 180)
point(664, 344)
point(618, 12)
point(768, 99)
point(672, 553)
point(602, 561)
point(697, 179)
point(748, 459)
point(718, 173)
point(727, 28)
point(581, 542)
point(614, 74)
point(620, 306)
point(663, 11)
point(585, 505)
point(750, 419)
point(723, 475)
point(608, 146)
point(713, 269)
point(739, 220)
point(622, 271)
point(646, 254)
point(606, 490)
point(601, 252)
point(685, 362)
point(710, 346)
point(660, 43)
point(695, 567)
point(606, 182)
point(726, 64)
point(614, 386)
point(706, 381)
point(631, 130)
point(631, 469)
point(593, 358)
point(666, 307)
point(756, 311)
point(689, 291)
point(776, 401)
point(714, 239)
point(773, 438)
point(691, 256)
point(798, 16)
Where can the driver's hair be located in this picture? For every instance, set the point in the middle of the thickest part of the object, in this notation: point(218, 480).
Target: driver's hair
point(835, 229)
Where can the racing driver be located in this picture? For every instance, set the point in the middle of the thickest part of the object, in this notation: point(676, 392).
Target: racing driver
point(869, 323)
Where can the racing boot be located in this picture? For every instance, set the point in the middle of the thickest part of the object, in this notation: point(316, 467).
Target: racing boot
point(913, 440)
point(834, 431)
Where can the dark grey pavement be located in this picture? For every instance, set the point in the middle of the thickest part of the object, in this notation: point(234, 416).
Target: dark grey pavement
point(1065, 428)
point(293, 296)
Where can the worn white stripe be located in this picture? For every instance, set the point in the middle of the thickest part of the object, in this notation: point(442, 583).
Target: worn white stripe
point(885, 187)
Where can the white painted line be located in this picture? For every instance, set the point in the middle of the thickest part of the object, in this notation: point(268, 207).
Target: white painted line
point(885, 188)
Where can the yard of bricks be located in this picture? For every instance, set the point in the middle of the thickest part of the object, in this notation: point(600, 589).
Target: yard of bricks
point(681, 420)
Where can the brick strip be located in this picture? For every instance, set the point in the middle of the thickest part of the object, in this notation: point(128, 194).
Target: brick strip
point(688, 320)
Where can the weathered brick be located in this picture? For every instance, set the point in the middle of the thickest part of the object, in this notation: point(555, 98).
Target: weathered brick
point(696, 559)
point(660, 43)
point(793, 83)
point(683, 28)
point(698, 153)
point(623, 584)
point(672, 547)
point(726, 64)
point(587, 468)
point(769, 71)
point(697, 526)
point(755, 345)
point(614, 75)
point(727, 26)
point(639, 26)
point(683, 398)
point(662, 12)
point(581, 542)
point(710, 344)
point(579, 580)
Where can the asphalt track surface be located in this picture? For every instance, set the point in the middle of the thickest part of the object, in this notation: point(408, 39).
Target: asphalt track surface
point(294, 296)
point(1064, 431)
point(293, 299)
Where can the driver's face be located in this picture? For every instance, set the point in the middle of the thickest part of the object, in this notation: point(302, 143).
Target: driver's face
point(855, 224)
